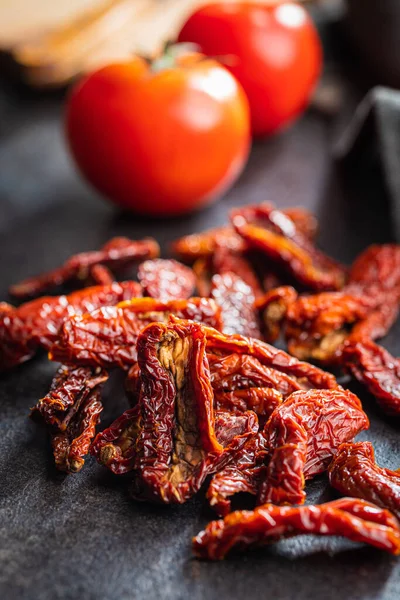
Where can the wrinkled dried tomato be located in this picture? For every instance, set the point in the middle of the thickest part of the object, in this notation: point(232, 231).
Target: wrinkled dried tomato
point(318, 326)
point(354, 472)
point(177, 446)
point(115, 447)
point(273, 307)
point(36, 324)
point(236, 300)
point(302, 436)
point(71, 445)
point(166, 279)
point(272, 232)
point(71, 411)
point(107, 337)
point(69, 388)
point(354, 519)
point(116, 254)
point(377, 370)
point(243, 474)
point(310, 376)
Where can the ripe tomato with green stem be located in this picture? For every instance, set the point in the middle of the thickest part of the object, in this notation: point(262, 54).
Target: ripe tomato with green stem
point(272, 48)
point(160, 139)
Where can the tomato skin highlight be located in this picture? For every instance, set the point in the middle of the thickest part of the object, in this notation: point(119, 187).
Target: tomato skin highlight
point(160, 143)
point(273, 49)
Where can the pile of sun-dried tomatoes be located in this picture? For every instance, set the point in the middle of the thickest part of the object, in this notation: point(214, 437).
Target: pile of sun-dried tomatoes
point(212, 402)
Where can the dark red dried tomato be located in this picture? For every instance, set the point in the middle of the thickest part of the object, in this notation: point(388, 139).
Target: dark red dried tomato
point(377, 370)
point(177, 446)
point(236, 300)
point(354, 519)
point(354, 472)
point(243, 474)
point(272, 232)
point(36, 324)
point(302, 436)
point(166, 279)
point(117, 254)
point(108, 337)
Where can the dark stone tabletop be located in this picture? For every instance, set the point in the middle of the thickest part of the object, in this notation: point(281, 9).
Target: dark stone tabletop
point(81, 536)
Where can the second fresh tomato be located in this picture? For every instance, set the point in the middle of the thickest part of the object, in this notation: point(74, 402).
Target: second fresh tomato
point(161, 139)
point(272, 48)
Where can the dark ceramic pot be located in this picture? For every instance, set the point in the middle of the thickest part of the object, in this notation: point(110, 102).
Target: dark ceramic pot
point(374, 26)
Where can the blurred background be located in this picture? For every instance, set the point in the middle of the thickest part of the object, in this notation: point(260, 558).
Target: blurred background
point(45, 46)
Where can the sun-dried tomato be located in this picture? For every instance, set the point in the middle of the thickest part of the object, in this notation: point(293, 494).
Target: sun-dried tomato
point(71, 445)
point(354, 519)
point(166, 279)
point(272, 232)
point(177, 446)
point(377, 370)
point(69, 388)
point(273, 307)
point(117, 254)
point(115, 447)
point(71, 411)
point(203, 245)
point(36, 324)
point(236, 300)
point(302, 436)
point(241, 382)
point(269, 356)
point(227, 261)
point(107, 337)
point(243, 474)
point(318, 326)
point(354, 472)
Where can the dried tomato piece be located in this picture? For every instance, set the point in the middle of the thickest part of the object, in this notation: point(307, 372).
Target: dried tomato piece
point(236, 300)
point(354, 472)
point(306, 223)
point(354, 519)
point(71, 411)
point(302, 436)
point(177, 446)
point(166, 279)
point(101, 275)
point(244, 474)
point(241, 382)
point(115, 447)
point(269, 356)
point(261, 400)
point(272, 232)
point(107, 337)
point(71, 445)
point(36, 324)
point(117, 254)
point(227, 261)
point(203, 245)
point(377, 370)
point(273, 307)
point(378, 265)
point(69, 388)
point(318, 326)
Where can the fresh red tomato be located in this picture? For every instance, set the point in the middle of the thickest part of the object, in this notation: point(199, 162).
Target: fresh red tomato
point(273, 49)
point(160, 141)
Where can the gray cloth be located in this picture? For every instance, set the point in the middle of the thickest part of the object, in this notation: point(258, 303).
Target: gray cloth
point(374, 132)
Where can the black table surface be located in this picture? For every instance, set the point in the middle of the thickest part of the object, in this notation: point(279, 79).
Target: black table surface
point(81, 536)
